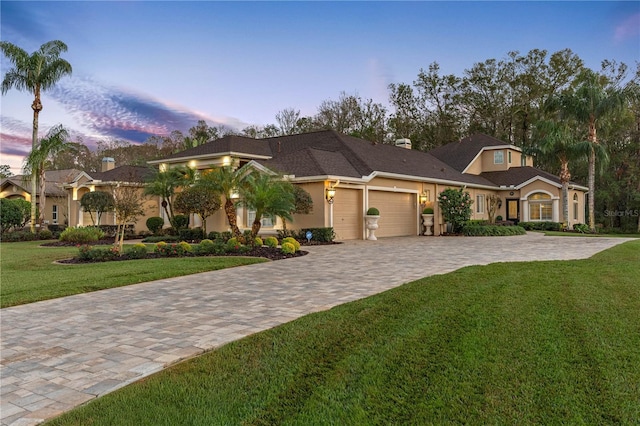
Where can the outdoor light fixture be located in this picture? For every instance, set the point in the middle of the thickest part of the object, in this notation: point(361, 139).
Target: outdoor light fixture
point(330, 193)
point(424, 198)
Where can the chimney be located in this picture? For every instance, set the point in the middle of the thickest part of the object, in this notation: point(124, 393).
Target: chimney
point(404, 143)
point(108, 163)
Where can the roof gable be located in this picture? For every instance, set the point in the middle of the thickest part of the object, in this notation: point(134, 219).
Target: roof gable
point(461, 154)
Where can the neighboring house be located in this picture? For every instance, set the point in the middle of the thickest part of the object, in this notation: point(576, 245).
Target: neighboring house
point(110, 177)
point(395, 179)
point(56, 206)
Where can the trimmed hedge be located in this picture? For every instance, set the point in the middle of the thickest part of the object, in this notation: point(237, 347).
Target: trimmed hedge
point(492, 230)
point(541, 226)
point(321, 235)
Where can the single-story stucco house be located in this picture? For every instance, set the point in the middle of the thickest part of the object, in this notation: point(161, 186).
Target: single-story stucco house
point(399, 181)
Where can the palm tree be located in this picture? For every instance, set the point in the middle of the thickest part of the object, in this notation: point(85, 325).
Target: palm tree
point(559, 144)
point(593, 100)
point(35, 164)
point(164, 184)
point(34, 73)
point(229, 182)
point(269, 196)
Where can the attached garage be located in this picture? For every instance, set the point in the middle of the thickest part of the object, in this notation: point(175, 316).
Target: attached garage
point(398, 213)
point(348, 214)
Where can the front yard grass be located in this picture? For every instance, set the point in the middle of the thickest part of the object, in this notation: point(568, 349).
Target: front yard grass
point(28, 274)
point(555, 342)
point(578, 234)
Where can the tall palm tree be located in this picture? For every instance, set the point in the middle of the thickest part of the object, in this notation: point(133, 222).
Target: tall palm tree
point(34, 73)
point(558, 143)
point(269, 196)
point(227, 181)
point(593, 100)
point(35, 164)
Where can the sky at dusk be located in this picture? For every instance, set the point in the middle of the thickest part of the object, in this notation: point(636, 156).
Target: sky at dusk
point(144, 67)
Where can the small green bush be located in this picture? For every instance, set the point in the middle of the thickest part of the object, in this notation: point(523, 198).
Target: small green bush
point(136, 251)
point(322, 235)
point(475, 230)
point(288, 248)
point(258, 242)
point(292, 241)
point(180, 221)
point(45, 234)
point(271, 242)
point(499, 218)
point(14, 236)
point(373, 211)
point(541, 226)
point(206, 246)
point(159, 238)
point(427, 210)
point(581, 227)
point(155, 224)
point(169, 250)
point(89, 234)
point(186, 246)
point(192, 234)
point(233, 244)
point(90, 254)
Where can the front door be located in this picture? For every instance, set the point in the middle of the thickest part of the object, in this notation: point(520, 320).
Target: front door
point(513, 210)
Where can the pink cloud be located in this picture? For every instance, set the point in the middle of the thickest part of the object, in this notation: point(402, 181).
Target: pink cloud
point(629, 28)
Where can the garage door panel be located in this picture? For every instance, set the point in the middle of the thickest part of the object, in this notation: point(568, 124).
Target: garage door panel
point(347, 214)
point(398, 213)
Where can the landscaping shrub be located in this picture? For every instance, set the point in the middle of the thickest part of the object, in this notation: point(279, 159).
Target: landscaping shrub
point(233, 244)
point(193, 234)
point(292, 241)
point(180, 221)
point(581, 227)
point(258, 242)
point(206, 246)
point(111, 230)
point(10, 215)
point(222, 236)
point(137, 251)
point(158, 238)
point(155, 224)
point(474, 230)
point(186, 247)
point(288, 248)
point(15, 236)
point(271, 242)
point(92, 254)
point(89, 234)
point(45, 234)
point(455, 206)
point(322, 235)
point(169, 250)
point(427, 210)
point(541, 226)
point(373, 211)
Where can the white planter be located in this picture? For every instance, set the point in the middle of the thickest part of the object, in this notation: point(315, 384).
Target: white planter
point(371, 223)
point(427, 221)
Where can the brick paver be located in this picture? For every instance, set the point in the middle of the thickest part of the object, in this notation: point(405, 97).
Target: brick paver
point(58, 354)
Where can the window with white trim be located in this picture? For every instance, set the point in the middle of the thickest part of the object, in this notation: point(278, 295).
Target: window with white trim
point(540, 207)
point(267, 221)
point(54, 214)
point(480, 203)
point(498, 157)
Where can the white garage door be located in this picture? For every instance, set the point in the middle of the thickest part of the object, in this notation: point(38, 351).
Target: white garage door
point(347, 214)
point(398, 213)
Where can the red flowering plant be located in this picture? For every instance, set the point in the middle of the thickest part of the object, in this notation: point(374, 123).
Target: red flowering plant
point(455, 205)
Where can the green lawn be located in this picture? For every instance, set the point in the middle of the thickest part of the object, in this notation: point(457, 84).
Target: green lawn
point(514, 343)
point(578, 234)
point(28, 274)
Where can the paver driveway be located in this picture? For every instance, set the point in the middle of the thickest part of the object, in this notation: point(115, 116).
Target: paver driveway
point(60, 353)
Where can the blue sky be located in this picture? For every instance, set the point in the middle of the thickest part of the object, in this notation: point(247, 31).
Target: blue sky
point(147, 67)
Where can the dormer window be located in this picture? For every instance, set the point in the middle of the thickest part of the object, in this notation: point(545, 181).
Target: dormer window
point(509, 157)
point(498, 157)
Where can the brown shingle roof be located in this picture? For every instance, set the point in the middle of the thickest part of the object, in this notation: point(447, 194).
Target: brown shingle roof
point(459, 154)
point(517, 175)
point(226, 144)
point(124, 174)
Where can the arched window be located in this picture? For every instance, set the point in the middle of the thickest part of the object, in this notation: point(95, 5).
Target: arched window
point(575, 207)
point(540, 207)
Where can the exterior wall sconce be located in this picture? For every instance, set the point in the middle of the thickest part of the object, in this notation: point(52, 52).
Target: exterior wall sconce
point(330, 194)
point(424, 197)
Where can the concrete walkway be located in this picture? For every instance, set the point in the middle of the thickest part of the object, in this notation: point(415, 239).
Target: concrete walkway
point(60, 353)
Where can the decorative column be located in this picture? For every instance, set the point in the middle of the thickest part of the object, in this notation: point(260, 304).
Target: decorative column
point(525, 210)
point(555, 210)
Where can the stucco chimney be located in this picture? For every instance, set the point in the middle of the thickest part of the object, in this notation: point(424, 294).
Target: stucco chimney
point(108, 163)
point(404, 143)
